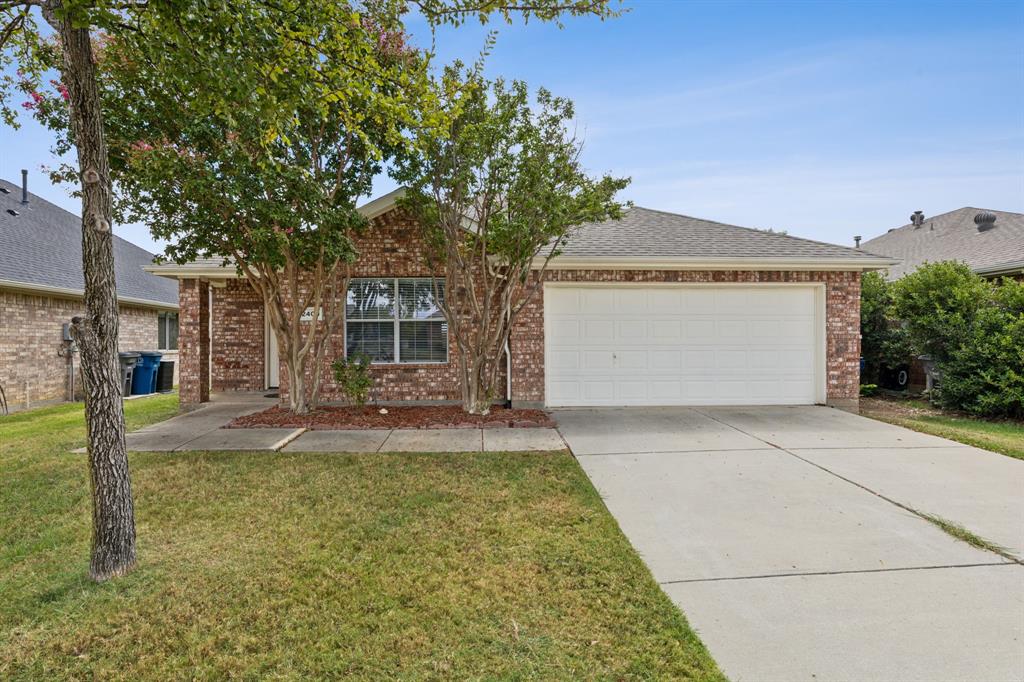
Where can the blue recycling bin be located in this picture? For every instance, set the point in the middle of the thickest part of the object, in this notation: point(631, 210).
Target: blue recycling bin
point(144, 374)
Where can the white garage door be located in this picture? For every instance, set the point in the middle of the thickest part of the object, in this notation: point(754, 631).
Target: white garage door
point(683, 345)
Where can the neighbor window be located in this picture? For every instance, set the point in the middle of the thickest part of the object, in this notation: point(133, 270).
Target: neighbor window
point(396, 320)
point(167, 331)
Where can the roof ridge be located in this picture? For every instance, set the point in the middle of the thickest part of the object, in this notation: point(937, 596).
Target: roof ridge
point(767, 231)
point(943, 215)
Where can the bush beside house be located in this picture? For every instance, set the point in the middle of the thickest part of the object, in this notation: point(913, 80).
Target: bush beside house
point(971, 327)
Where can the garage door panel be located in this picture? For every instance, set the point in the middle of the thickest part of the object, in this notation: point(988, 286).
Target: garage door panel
point(599, 391)
point(560, 360)
point(666, 301)
point(631, 329)
point(697, 302)
point(563, 332)
point(597, 360)
point(666, 360)
point(648, 345)
point(730, 329)
point(596, 300)
point(632, 359)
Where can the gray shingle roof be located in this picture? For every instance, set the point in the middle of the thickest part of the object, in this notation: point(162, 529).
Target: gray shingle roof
point(646, 233)
point(42, 246)
point(954, 236)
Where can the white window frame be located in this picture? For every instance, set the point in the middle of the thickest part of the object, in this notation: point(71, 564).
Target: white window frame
point(397, 320)
point(161, 326)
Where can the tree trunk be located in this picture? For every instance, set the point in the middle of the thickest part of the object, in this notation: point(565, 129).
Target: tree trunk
point(297, 401)
point(113, 514)
point(476, 393)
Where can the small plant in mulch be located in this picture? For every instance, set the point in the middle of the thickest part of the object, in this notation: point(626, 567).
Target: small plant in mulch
point(394, 417)
point(353, 377)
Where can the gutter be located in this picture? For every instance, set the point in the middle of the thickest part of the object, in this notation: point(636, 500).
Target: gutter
point(1001, 268)
point(78, 293)
point(687, 263)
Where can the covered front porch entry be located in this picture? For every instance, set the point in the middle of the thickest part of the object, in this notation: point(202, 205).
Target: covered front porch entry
point(224, 340)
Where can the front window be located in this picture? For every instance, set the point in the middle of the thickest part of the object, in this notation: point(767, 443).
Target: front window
point(396, 320)
point(167, 331)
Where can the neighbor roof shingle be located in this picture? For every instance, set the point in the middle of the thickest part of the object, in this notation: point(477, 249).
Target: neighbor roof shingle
point(42, 246)
point(647, 233)
point(954, 236)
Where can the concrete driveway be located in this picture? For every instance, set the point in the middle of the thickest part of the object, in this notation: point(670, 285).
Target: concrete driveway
point(794, 540)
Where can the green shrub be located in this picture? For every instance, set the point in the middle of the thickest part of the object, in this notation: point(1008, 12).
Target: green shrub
point(884, 342)
point(868, 390)
point(974, 331)
point(939, 303)
point(984, 375)
point(353, 376)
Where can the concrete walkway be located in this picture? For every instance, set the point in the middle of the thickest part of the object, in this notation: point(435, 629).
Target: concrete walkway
point(202, 430)
point(792, 538)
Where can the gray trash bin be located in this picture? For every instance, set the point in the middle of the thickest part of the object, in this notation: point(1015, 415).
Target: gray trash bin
point(127, 362)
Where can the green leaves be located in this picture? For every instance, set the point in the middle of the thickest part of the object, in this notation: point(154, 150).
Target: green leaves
point(974, 329)
point(504, 165)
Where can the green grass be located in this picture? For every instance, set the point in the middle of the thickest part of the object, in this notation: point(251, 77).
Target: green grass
point(961, 533)
point(1003, 437)
point(253, 565)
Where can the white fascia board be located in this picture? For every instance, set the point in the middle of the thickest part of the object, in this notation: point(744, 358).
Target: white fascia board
point(381, 205)
point(614, 263)
point(77, 293)
point(189, 271)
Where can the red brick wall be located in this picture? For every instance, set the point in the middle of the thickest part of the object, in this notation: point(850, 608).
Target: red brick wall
point(842, 326)
point(31, 324)
point(238, 342)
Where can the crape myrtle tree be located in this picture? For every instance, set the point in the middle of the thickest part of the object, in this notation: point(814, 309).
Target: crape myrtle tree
point(498, 190)
point(257, 150)
point(24, 47)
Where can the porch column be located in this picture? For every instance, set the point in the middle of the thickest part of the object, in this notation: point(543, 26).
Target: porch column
point(193, 342)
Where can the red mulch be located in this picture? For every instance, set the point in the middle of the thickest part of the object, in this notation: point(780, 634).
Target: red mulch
point(397, 417)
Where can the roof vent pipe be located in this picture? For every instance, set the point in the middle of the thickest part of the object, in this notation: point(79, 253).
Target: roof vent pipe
point(856, 241)
point(985, 221)
point(917, 219)
point(24, 185)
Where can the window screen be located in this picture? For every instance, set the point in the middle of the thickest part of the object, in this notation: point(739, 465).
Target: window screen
point(396, 320)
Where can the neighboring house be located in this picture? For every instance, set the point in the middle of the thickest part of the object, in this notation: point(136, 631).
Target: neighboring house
point(652, 309)
point(41, 289)
point(990, 242)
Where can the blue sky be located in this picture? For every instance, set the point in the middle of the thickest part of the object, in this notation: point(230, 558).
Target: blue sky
point(826, 119)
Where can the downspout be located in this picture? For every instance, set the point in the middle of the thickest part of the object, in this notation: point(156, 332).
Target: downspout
point(508, 360)
point(209, 337)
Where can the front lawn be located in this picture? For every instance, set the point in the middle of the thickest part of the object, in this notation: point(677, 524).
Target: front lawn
point(1005, 437)
point(498, 566)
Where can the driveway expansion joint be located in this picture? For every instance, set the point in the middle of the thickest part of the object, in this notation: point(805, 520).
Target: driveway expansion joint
point(853, 571)
point(924, 516)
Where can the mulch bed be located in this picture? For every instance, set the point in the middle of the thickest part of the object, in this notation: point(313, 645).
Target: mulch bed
point(394, 417)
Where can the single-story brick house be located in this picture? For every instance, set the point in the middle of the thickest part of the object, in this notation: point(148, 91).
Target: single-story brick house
point(41, 289)
point(652, 309)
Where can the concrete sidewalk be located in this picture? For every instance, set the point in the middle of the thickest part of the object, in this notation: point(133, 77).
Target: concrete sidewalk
point(202, 429)
point(792, 538)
